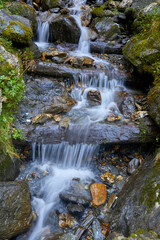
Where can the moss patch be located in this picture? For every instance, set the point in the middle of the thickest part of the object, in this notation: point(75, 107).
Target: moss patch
point(98, 11)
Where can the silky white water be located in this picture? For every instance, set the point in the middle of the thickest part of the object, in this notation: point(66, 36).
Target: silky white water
point(61, 163)
point(42, 34)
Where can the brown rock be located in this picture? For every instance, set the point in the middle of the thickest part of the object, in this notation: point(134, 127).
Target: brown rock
point(99, 194)
point(108, 177)
point(66, 220)
point(94, 97)
point(64, 123)
point(113, 118)
point(41, 118)
point(56, 54)
point(112, 200)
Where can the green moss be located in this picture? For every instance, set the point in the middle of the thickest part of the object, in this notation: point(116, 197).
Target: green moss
point(18, 33)
point(152, 186)
point(98, 11)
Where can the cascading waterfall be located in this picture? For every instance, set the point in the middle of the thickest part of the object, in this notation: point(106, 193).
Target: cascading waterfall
point(62, 162)
point(42, 33)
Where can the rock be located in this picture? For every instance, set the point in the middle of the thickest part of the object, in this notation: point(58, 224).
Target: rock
point(139, 115)
point(9, 165)
point(84, 225)
point(48, 4)
point(133, 165)
point(15, 209)
point(94, 97)
point(99, 194)
point(42, 118)
point(97, 233)
point(64, 123)
point(93, 35)
point(98, 11)
point(56, 54)
point(139, 5)
point(64, 28)
point(112, 4)
point(107, 28)
point(66, 220)
point(65, 11)
point(86, 17)
point(57, 117)
point(8, 61)
point(22, 9)
point(79, 62)
point(154, 106)
point(75, 209)
point(108, 177)
point(103, 47)
point(113, 118)
point(112, 201)
point(15, 31)
point(138, 203)
point(139, 235)
point(75, 198)
point(142, 50)
point(23, 20)
point(125, 4)
point(60, 104)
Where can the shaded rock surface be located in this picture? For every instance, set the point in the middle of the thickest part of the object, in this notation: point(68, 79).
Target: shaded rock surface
point(138, 206)
point(15, 209)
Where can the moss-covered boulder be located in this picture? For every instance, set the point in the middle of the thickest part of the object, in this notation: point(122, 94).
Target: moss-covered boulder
point(9, 166)
point(143, 49)
point(98, 11)
point(22, 9)
point(107, 28)
point(16, 211)
point(14, 30)
point(64, 28)
point(138, 205)
point(48, 4)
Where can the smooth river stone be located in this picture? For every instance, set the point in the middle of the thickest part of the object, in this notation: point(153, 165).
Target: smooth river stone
point(99, 194)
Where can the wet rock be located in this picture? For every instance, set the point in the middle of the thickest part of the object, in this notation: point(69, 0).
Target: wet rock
point(112, 4)
point(125, 4)
point(65, 11)
point(56, 54)
point(93, 35)
point(112, 201)
point(64, 28)
point(94, 97)
point(86, 17)
point(103, 47)
point(66, 220)
point(99, 194)
point(139, 115)
point(154, 107)
point(42, 118)
point(84, 225)
point(107, 28)
point(15, 31)
point(15, 209)
point(64, 123)
point(75, 198)
point(139, 235)
point(113, 118)
point(9, 165)
point(22, 9)
point(75, 209)
point(48, 4)
point(97, 233)
point(108, 177)
point(138, 203)
point(133, 165)
point(79, 62)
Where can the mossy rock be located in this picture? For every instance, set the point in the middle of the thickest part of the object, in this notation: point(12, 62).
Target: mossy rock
point(18, 33)
point(98, 11)
point(138, 206)
point(48, 4)
point(9, 166)
point(22, 9)
point(143, 49)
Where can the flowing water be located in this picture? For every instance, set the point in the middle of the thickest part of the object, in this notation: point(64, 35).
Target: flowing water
point(60, 163)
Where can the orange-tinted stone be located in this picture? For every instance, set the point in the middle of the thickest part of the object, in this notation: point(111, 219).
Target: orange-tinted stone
point(99, 194)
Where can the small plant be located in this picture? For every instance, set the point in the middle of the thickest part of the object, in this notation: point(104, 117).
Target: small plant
point(17, 133)
point(2, 4)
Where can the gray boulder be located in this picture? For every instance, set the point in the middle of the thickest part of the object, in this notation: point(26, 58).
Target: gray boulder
point(15, 208)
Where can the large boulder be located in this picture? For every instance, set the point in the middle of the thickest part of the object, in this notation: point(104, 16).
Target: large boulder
point(154, 103)
point(107, 28)
point(138, 205)
point(24, 10)
point(9, 166)
point(15, 208)
point(48, 4)
point(143, 49)
point(64, 28)
point(13, 30)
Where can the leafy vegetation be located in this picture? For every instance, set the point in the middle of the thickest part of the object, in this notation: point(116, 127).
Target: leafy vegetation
point(2, 4)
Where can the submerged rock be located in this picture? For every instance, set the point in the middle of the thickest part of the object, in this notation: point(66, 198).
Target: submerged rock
point(99, 194)
point(66, 220)
point(94, 97)
point(15, 209)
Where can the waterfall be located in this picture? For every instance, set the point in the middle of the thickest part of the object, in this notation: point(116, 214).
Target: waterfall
point(42, 34)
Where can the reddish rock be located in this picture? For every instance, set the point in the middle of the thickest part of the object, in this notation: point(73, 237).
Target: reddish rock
point(99, 194)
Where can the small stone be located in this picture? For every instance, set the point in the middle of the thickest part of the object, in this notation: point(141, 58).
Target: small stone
point(94, 97)
point(133, 165)
point(112, 200)
point(119, 178)
point(56, 54)
point(139, 115)
point(108, 177)
point(64, 123)
point(66, 220)
point(113, 118)
point(41, 118)
point(99, 194)
point(75, 209)
point(57, 117)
